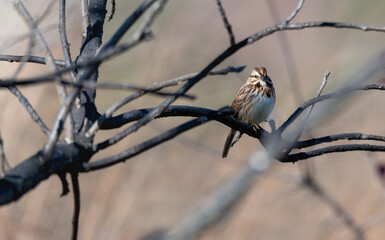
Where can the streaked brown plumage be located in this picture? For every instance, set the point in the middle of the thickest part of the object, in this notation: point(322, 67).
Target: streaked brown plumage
point(253, 104)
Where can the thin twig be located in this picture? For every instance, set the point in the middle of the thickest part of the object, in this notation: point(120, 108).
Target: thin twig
point(332, 149)
point(67, 56)
point(85, 17)
point(295, 12)
point(337, 137)
point(323, 84)
point(226, 23)
point(31, 59)
point(305, 120)
point(155, 87)
point(76, 214)
point(112, 10)
point(63, 37)
point(22, 99)
point(32, 112)
point(92, 85)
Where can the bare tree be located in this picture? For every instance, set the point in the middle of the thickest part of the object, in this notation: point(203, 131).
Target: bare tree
point(78, 117)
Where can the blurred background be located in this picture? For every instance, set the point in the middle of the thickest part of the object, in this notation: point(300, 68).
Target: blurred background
point(156, 189)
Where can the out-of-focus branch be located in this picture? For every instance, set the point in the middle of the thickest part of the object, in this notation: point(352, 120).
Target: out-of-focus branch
point(93, 85)
point(22, 99)
point(50, 62)
point(23, 12)
point(338, 209)
point(223, 201)
point(28, 107)
point(226, 23)
point(31, 59)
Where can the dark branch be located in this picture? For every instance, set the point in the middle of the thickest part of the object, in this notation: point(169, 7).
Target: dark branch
point(336, 137)
point(76, 193)
point(226, 22)
point(28, 174)
point(135, 150)
point(332, 149)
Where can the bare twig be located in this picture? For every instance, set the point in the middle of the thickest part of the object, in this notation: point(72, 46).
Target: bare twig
point(92, 85)
point(22, 99)
point(300, 26)
point(76, 193)
point(32, 112)
point(31, 59)
point(67, 55)
point(226, 23)
point(323, 84)
point(337, 137)
point(63, 37)
point(155, 87)
point(295, 12)
point(112, 10)
point(305, 120)
point(332, 149)
point(85, 17)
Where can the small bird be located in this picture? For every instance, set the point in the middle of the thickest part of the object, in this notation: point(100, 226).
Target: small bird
point(253, 104)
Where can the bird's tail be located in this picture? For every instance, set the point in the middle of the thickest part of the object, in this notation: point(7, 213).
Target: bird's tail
point(229, 140)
